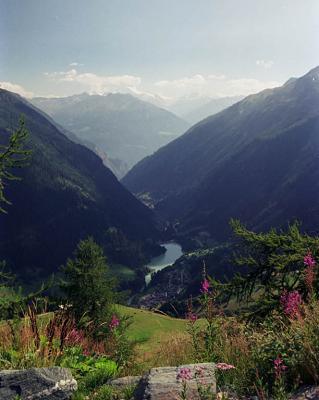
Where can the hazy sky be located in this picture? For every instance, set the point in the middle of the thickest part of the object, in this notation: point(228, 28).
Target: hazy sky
point(172, 48)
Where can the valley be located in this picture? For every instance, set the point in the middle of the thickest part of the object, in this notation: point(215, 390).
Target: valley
point(120, 126)
point(159, 200)
point(173, 251)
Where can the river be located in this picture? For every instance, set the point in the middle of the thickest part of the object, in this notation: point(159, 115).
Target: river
point(173, 252)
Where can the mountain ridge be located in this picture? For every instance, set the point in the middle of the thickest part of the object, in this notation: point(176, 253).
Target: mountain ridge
point(66, 194)
point(121, 125)
point(193, 167)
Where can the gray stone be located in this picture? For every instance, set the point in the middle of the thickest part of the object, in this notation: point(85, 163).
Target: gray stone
point(307, 393)
point(125, 381)
point(37, 384)
point(163, 383)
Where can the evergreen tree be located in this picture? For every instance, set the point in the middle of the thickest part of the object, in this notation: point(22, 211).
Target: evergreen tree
point(87, 284)
point(12, 155)
point(272, 263)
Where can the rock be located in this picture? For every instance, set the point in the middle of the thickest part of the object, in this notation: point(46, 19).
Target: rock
point(163, 383)
point(37, 384)
point(126, 381)
point(307, 393)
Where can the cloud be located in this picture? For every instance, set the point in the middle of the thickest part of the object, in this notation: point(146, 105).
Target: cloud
point(211, 86)
point(93, 83)
point(75, 64)
point(266, 64)
point(161, 91)
point(196, 80)
point(13, 87)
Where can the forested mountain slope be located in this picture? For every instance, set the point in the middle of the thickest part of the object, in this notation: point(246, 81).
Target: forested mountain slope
point(66, 194)
point(257, 160)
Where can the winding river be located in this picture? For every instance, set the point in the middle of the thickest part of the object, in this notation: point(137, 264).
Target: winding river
point(173, 252)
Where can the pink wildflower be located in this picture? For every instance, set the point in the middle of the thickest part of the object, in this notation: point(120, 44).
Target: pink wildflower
point(279, 366)
point(205, 286)
point(309, 260)
point(200, 371)
point(192, 317)
point(309, 272)
point(114, 322)
point(224, 366)
point(291, 302)
point(184, 374)
point(74, 337)
point(86, 352)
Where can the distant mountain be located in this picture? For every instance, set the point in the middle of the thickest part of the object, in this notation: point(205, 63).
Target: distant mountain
point(125, 128)
point(66, 194)
point(187, 104)
point(212, 107)
point(258, 160)
point(118, 167)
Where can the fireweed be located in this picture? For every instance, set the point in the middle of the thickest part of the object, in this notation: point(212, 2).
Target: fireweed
point(271, 357)
point(309, 275)
point(115, 322)
point(194, 331)
point(121, 347)
point(291, 302)
point(205, 391)
point(184, 375)
point(279, 385)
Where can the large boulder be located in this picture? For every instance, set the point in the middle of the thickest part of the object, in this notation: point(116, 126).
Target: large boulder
point(166, 384)
point(37, 384)
point(307, 393)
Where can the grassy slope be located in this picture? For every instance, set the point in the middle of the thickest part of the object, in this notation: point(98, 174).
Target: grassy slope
point(150, 329)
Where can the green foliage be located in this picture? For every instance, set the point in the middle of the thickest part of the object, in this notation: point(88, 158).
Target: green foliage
point(122, 346)
point(12, 155)
point(105, 393)
point(92, 371)
point(252, 349)
point(87, 285)
point(272, 262)
point(270, 357)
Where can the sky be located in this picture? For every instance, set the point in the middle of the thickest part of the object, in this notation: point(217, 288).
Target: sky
point(168, 48)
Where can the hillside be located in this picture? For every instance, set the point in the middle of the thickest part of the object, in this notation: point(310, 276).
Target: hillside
point(257, 161)
point(213, 106)
point(66, 194)
point(149, 329)
point(122, 126)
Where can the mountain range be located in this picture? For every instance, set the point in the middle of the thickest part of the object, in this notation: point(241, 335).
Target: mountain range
point(122, 127)
point(65, 194)
point(257, 161)
point(213, 106)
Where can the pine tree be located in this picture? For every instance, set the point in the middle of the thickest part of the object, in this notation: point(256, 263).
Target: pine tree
point(272, 262)
point(87, 284)
point(13, 155)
